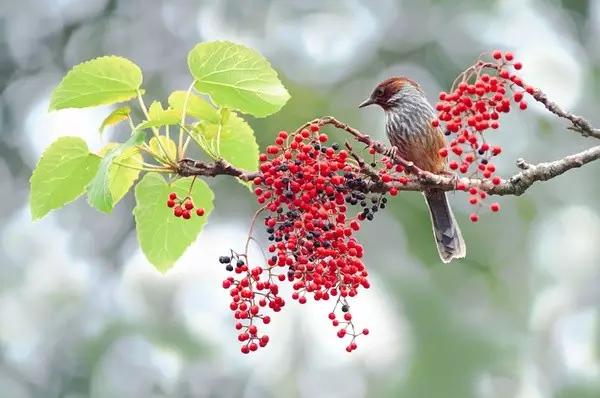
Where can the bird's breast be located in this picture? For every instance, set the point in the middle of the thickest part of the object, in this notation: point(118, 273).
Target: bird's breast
point(416, 140)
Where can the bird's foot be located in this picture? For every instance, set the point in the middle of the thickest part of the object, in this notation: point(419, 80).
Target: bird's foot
point(391, 152)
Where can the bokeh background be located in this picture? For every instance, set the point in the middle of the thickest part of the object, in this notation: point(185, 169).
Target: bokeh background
point(82, 313)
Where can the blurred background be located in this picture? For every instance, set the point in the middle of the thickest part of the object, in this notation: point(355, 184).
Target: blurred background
point(83, 314)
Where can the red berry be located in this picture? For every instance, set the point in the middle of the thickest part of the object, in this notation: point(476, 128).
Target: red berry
point(200, 211)
point(178, 211)
point(497, 54)
point(170, 203)
point(518, 97)
point(189, 205)
point(186, 214)
point(518, 65)
point(172, 196)
point(495, 207)
point(474, 217)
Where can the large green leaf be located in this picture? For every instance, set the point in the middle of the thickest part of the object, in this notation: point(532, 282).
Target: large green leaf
point(123, 171)
point(237, 143)
point(237, 77)
point(104, 80)
point(162, 236)
point(196, 107)
point(61, 175)
point(100, 195)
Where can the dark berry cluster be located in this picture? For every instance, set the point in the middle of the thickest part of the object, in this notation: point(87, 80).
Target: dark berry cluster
point(308, 188)
point(473, 107)
point(183, 207)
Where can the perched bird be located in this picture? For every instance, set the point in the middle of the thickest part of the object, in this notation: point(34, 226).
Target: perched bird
point(408, 124)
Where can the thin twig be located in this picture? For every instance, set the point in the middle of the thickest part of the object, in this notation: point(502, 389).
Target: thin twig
point(579, 124)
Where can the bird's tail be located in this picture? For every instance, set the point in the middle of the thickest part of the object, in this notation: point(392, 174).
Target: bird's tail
point(449, 240)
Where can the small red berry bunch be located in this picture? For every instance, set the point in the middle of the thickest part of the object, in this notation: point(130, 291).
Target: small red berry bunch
point(309, 189)
point(183, 207)
point(252, 291)
point(479, 96)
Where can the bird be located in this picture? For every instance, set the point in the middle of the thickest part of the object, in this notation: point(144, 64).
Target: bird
point(410, 129)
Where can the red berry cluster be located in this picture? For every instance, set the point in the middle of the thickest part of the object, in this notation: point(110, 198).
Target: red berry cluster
point(249, 297)
point(183, 207)
point(472, 108)
point(308, 188)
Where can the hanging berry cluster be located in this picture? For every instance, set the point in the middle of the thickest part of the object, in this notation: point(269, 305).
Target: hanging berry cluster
point(183, 207)
point(307, 187)
point(473, 108)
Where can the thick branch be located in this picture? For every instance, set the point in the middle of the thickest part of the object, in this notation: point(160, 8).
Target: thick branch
point(190, 167)
point(515, 185)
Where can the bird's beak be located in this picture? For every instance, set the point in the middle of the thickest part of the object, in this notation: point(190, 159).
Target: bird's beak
point(367, 102)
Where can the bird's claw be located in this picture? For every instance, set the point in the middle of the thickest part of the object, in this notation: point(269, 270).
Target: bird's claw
point(391, 152)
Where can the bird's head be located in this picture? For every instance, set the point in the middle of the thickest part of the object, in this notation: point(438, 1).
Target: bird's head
point(390, 92)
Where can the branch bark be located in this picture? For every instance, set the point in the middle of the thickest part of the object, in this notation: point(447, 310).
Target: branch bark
point(515, 185)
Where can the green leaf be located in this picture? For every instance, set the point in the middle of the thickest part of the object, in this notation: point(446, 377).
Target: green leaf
point(61, 175)
point(154, 110)
point(166, 143)
point(237, 143)
point(101, 81)
point(100, 195)
point(162, 236)
point(121, 177)
point(115, 117)
point(196, 107)
point(237, 77)
point(158, 117)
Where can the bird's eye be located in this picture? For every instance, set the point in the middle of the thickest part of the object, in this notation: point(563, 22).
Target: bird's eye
point(379, 91)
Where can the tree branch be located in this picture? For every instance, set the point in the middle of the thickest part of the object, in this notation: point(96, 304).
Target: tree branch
point(423, 180)
point(578, 123)
point(190, 167)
